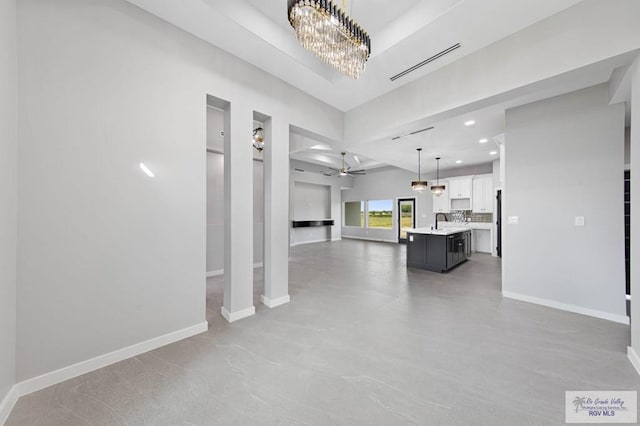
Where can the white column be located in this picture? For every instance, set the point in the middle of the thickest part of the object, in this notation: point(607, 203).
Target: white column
point(336, 212)
point(634, 349)
point(238, 213)
point(276, 213)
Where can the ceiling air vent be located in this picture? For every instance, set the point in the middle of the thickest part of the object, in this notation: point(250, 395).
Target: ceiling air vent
point(415, 132)
point(298, 170)
point(426, 61)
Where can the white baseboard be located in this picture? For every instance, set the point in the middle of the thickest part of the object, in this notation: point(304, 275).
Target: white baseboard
point(8, 403)
point(48, 379)
point(633, 357)
point(238, 315)
point(301, 243)
point(380, 240)
point(218, 272)
point(336, 239)
point(272, 303)
point(622, 319)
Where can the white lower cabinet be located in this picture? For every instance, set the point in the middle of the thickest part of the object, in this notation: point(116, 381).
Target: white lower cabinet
point(481, 240)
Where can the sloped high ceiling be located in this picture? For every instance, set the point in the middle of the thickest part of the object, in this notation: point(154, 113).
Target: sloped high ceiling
point(403, 33)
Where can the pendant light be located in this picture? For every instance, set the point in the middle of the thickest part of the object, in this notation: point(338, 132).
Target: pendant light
point(258, 138)
point(419, 185)
point(438, 189)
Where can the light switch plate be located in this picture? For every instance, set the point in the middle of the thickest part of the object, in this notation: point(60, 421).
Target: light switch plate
point(514, 220)
point(410, 237)
point(579, 221)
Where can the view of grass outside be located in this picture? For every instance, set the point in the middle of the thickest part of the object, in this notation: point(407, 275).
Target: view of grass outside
point(406, 218)
point(380, 214)
point(406, 222)
point(406, 215)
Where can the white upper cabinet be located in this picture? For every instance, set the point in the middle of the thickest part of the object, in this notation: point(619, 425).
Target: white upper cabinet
point(460, 188)
point(483, 194)
point(441, 202)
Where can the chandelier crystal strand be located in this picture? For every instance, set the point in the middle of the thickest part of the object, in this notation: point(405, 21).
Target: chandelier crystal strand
point(326, 31)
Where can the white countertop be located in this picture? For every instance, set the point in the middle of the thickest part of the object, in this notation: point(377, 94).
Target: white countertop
point(443, 231)
point(467, 225)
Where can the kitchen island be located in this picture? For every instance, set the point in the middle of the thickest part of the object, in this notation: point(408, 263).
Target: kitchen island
point(437, 249)
point(482, 238)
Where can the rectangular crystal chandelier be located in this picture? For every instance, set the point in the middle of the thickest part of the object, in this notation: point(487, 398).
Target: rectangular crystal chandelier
point(326, 31)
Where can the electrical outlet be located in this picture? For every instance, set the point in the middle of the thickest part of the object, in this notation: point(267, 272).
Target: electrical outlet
point(513, 220)
point(579, 221)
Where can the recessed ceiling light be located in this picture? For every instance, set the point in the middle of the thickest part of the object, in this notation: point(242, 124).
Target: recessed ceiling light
point(458, 161)
point(483, 140)
point(493, 152)
point(469, 123)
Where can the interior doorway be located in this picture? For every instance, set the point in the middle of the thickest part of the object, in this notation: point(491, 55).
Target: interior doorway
point(406, 217)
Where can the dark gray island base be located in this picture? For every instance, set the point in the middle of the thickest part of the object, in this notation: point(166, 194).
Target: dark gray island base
point(437, 250)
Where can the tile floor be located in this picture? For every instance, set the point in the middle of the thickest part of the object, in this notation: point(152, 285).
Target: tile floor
point(364, 341)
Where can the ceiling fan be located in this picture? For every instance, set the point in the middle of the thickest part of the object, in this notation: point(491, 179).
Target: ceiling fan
point(344, 170)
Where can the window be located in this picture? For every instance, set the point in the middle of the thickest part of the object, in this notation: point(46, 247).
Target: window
point(380, 214)
point(354, 213)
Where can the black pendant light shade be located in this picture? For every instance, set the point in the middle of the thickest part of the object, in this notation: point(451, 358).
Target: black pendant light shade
point(419, 185)
point(438, 189)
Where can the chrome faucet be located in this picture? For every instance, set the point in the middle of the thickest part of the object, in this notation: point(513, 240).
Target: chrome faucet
point(445, 218)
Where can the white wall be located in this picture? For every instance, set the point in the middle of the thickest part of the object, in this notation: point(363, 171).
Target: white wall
point(389, 184)
point(476, 169)
point(107, 256)
point(258, 212)
point(635, 208)
point(394, 183)
point(564, 158)
point(334, 184)
point(546, 49)
point(215, 213)
point(215, 196)
point(8, 195)
point(310, 201)
point(627, 146)
point(497, 179)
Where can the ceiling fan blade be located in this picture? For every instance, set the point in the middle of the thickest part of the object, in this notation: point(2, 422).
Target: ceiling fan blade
point(357, 171)
point(353, 159)
point(331, 168)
